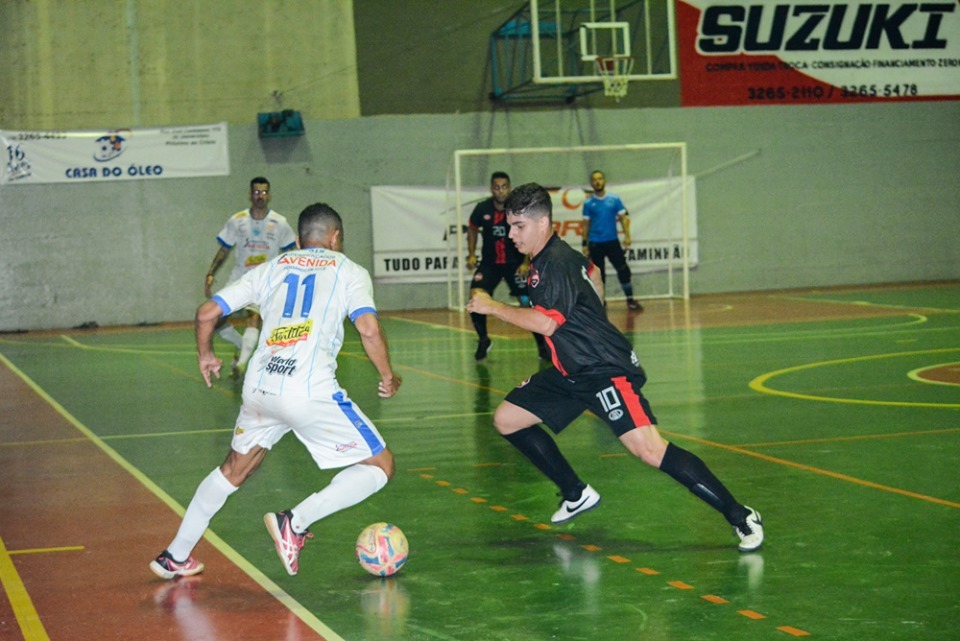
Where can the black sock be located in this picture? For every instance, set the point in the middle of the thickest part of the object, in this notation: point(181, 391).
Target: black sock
point(479, 324)
point(691, 472)
point(534, 443)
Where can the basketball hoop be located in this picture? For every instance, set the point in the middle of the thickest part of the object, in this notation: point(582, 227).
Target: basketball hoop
point(614, 72)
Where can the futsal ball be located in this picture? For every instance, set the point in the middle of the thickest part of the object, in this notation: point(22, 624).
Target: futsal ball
point(382, 549)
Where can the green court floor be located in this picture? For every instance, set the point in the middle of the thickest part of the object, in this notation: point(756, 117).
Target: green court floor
point(842, 430)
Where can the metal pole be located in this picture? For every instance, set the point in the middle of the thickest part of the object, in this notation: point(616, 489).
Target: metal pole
point(459, 204)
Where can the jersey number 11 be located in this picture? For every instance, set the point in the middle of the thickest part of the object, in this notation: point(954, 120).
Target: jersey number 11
point(293, 286)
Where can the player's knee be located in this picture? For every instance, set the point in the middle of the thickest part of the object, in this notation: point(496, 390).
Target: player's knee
point(508, 418)
point(647, 449)
point(237, 468)
point(500, 422)
point(384, 460)
point(235, 475)
point(647, 455)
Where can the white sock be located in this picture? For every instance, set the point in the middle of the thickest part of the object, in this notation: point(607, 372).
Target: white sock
point(230, 334)
point(347, 488)
point(250, 336)
point(210, 496)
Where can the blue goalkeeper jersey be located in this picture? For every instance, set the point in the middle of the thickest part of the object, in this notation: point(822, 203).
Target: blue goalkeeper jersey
point(603, 213)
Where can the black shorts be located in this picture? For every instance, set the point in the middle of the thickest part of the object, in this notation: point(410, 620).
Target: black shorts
point(611, 249)
point(557, 400)
point(488, 276)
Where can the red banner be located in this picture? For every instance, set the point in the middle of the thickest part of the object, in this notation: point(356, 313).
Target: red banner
point(817, 51)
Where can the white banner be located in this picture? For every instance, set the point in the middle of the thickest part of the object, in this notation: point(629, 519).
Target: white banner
point(34, 157)
point(414, 232)
point(414, 228)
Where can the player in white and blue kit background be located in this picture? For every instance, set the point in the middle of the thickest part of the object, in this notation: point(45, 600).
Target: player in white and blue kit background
point(254, 236)
point(291, 386)
point(601, 212)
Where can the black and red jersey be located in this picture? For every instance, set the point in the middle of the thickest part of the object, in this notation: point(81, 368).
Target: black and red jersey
point(496, 248)
point(585, 342)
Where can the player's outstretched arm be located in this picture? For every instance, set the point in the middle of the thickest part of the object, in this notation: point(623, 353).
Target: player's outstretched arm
point(374, 342)
point(625, 223)
point(593, 273)
point(523, 317)
point(221, 256)
point(471, 247)
point(586, 237)
point(206, 321)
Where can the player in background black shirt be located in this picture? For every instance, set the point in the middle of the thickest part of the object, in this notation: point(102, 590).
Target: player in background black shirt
point(499, 259)
point(595, 368)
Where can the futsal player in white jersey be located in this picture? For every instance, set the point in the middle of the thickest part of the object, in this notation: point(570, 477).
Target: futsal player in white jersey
point(255, 235)
point(291, 386)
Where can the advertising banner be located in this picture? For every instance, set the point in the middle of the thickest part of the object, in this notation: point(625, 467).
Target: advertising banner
point(415, 228)
point(35, 157)
point(817, 51)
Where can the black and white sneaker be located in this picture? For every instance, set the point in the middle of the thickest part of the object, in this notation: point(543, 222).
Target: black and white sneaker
point(750, 532)
point(569, 510)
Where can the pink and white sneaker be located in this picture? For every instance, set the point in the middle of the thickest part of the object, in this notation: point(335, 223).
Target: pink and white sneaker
point(166, 567)
point(288, 542)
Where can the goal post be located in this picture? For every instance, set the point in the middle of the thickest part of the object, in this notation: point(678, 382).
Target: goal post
point(651, 179)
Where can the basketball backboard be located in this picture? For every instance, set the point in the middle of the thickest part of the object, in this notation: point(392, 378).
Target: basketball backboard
point(569, 35)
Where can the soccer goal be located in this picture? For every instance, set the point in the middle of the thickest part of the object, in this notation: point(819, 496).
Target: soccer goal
point(650, 178)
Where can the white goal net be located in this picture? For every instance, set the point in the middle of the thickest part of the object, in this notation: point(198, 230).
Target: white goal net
point(651, 180)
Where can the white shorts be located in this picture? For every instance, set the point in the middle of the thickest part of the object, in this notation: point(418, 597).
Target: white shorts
point(334, 430)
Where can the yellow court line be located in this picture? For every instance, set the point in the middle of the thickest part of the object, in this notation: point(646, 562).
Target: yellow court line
point(759, 383)
point(858, 437)
point(148, 355)
point(144, 349)
point(122, 437)
point(864, 303)
point(69, 548)
point(305, 615)
point(122, 350)
point(432, 417)
point(816, 470)
point(456, 330)
point(20, 601)
point(915, 374)
point(413, 321)
point(422, 372)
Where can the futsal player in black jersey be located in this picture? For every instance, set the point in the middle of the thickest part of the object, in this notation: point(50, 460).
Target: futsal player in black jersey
point(595, 368)
point(499, 259)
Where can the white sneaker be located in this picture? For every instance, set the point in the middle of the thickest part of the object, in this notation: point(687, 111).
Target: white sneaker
point(750, 532)
point(569, 510)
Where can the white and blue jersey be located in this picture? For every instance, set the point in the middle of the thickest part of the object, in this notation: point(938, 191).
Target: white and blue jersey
point(255, 241)
point(304, 296)
point(603, 214)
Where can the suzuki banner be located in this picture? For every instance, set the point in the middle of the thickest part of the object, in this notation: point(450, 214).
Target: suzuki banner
point(817, 51)
point(34, 157)
point(415, 228)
